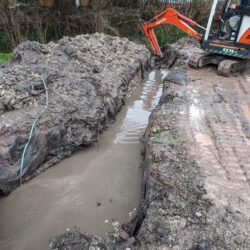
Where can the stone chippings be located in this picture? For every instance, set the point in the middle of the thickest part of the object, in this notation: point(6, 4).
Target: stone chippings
point(87, 79)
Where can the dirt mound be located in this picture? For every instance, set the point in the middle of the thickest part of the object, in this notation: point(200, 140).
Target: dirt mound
point(87, 79)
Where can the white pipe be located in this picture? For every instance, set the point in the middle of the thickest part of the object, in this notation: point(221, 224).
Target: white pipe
point(210, 21)
point(77, 3)
point(228, 4)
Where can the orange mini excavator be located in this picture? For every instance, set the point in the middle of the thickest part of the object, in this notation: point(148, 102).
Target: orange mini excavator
point(228, 47)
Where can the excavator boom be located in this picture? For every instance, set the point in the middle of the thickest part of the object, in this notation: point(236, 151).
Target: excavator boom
point(172, 17)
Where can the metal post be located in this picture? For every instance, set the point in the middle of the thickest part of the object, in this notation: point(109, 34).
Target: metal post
point(211, 17)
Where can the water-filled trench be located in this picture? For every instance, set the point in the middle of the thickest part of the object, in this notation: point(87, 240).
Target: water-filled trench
point(93, 190)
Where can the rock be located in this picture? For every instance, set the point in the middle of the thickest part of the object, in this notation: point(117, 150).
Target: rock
point(177, 78)
point(75, 240)
point(87, 79)
point(204, 245)
point(123, 235)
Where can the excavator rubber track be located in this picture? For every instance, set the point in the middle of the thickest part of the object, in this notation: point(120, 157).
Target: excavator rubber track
point(202, 59)
point(197, 60)
point(228, 67)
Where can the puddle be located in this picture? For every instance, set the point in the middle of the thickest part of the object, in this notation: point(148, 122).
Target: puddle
point(136, 119)
point(196, 120)
point(91, 189)
point(246, 111)
point(247, 76)
point(203, 139)
point(8, 118)
point(196, 115)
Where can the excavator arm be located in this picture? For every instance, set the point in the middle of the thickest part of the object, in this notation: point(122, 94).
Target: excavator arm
point(172, 17)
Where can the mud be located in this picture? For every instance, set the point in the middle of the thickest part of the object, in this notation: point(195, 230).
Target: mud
point(97, 189)
point(87, 78)
point(197, 155)
point(197, 161)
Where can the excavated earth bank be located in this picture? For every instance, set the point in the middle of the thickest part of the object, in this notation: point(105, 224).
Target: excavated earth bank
point(197, 149)
point(87, 78)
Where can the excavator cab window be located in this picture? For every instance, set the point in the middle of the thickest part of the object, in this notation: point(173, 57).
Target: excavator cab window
point(245, 8)
point(231, 18)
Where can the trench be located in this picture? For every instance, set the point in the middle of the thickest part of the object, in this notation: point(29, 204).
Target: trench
point(94, 190)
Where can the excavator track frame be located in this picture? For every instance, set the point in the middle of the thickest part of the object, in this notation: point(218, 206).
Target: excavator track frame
point(202, 59)
point(229, 67)
point(226, 67)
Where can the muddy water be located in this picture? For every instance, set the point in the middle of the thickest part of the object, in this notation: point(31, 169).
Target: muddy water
point(91, 189)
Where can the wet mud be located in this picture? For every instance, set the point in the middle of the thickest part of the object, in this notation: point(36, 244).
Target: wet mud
point(96, 190)
point(197, 155)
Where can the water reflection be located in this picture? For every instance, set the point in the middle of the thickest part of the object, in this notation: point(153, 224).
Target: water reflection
point(136, 119)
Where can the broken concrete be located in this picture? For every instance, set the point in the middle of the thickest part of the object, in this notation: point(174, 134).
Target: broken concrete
point(87, 78)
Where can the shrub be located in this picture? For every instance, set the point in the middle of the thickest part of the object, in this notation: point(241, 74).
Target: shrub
point(5, 57)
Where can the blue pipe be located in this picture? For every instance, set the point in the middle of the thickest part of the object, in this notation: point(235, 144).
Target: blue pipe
point(32, 131)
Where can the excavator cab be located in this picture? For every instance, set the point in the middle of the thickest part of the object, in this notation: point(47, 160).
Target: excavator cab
point(237, 42)
point(228, 47)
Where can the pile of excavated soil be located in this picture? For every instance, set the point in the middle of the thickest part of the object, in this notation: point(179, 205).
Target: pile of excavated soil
point(87, 79)
point(197, 148)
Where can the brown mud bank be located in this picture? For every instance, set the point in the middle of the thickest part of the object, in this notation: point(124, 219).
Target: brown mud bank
point(197, 166)
point(87, 78)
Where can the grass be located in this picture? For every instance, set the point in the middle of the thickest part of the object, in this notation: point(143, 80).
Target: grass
point(168, 35)
point(5, 57)
point(165, 138)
